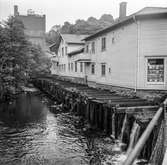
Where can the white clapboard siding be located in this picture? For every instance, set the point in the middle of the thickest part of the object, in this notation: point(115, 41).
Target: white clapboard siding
point(120, 56)
point(153, 43)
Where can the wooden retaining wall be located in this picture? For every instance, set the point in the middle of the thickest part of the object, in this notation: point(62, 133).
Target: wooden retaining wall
point(103, 109)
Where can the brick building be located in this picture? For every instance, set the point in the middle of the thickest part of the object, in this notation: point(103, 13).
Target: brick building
point(34, 26)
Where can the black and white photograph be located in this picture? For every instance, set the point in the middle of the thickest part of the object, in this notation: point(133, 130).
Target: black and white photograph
point(83, 82)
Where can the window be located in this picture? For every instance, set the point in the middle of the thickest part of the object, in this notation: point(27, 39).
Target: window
point(113, 40)
point(87, 49)
point(81, 67)
point(62, 51)
point(93, 47)
point(93, 69)
point(66, 50)
point(103, 44)
point(64, 67)
point(103, 69)
point(75, 66)
point(109, 70)
point(155, 70)
point(71, 66)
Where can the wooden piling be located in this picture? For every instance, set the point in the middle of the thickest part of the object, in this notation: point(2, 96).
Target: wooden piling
point(113, 123)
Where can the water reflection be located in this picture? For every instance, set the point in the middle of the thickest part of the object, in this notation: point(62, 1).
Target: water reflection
point(30, 134)
point(25, 109)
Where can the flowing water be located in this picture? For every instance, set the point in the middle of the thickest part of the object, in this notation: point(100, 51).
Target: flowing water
point(30, 134)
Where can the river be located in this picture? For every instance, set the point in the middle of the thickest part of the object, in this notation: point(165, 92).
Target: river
point(30, 134)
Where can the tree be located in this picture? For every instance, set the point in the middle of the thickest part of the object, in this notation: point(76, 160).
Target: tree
point(13, 55)
point(18, 57)
point(39, 63)
point(89, 26)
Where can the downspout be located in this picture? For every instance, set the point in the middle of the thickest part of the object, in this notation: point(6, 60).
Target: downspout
point(138, 53)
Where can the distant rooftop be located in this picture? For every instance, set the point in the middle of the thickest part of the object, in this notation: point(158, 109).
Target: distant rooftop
point(73, 38)
point(30, 12)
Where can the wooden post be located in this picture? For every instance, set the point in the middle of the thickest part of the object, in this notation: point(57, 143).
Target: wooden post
point(87, 110)
point(92, 113)
point(165, 125)
point(96, 116)
point(100, 116)
point(113, 122)
point(106, 119)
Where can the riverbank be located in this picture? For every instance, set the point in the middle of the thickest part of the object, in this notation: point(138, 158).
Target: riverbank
point(123, 118)
point(34, 135)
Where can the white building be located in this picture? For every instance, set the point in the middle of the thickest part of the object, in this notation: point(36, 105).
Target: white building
point(131, 53)
point(65, 63)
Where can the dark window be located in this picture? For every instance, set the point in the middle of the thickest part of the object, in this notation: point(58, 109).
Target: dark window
point(72, 66)
point(87, 48)
point(155, 70)
point(81, 67)
point(93, 47)
point(103, 44)
point(103, 69)
point(69, 66)
point(75, 66)
point(93, 69)
point(113, 40)
point(66, 50)
point(62, 51)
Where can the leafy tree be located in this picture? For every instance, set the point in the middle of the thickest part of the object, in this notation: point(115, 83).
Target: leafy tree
point(19, 59)
point(89, 26)
point(39, 63)
point(13, 55)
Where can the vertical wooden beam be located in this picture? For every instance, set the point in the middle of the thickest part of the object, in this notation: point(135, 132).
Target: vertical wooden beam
point(165, 125)
point(87, 110)
point(105, 118)
point(96, 116)
point(101, 116)
point(113, 122)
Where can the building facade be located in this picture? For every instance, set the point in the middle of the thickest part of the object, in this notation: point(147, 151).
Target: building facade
point(65, 62)
point(131, 53)
point(34, 26)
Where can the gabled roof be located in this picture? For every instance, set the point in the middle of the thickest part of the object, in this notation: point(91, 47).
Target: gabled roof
point(152, 10)
point(81, 50)
point(73, 38)
point(143, 13)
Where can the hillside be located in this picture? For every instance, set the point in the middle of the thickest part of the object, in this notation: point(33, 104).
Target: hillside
point(89, 26)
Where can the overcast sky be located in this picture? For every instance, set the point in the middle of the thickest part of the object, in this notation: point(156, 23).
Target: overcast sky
point(59, 11)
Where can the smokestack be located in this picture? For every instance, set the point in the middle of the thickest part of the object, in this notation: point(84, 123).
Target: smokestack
point(122, 9)
point(16, 10)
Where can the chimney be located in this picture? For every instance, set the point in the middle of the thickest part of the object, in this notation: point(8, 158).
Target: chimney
point(122, 10)
point(16, 10)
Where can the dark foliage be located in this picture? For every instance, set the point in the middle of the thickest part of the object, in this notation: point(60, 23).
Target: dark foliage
point(90, 26)
point(18, 57)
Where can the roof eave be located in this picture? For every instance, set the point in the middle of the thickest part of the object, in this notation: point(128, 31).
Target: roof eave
point(76, 52)
point(78, 43)
point(110, 28)
point(126, 21)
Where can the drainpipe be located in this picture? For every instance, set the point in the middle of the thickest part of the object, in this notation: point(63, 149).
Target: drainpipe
point(138, 53)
